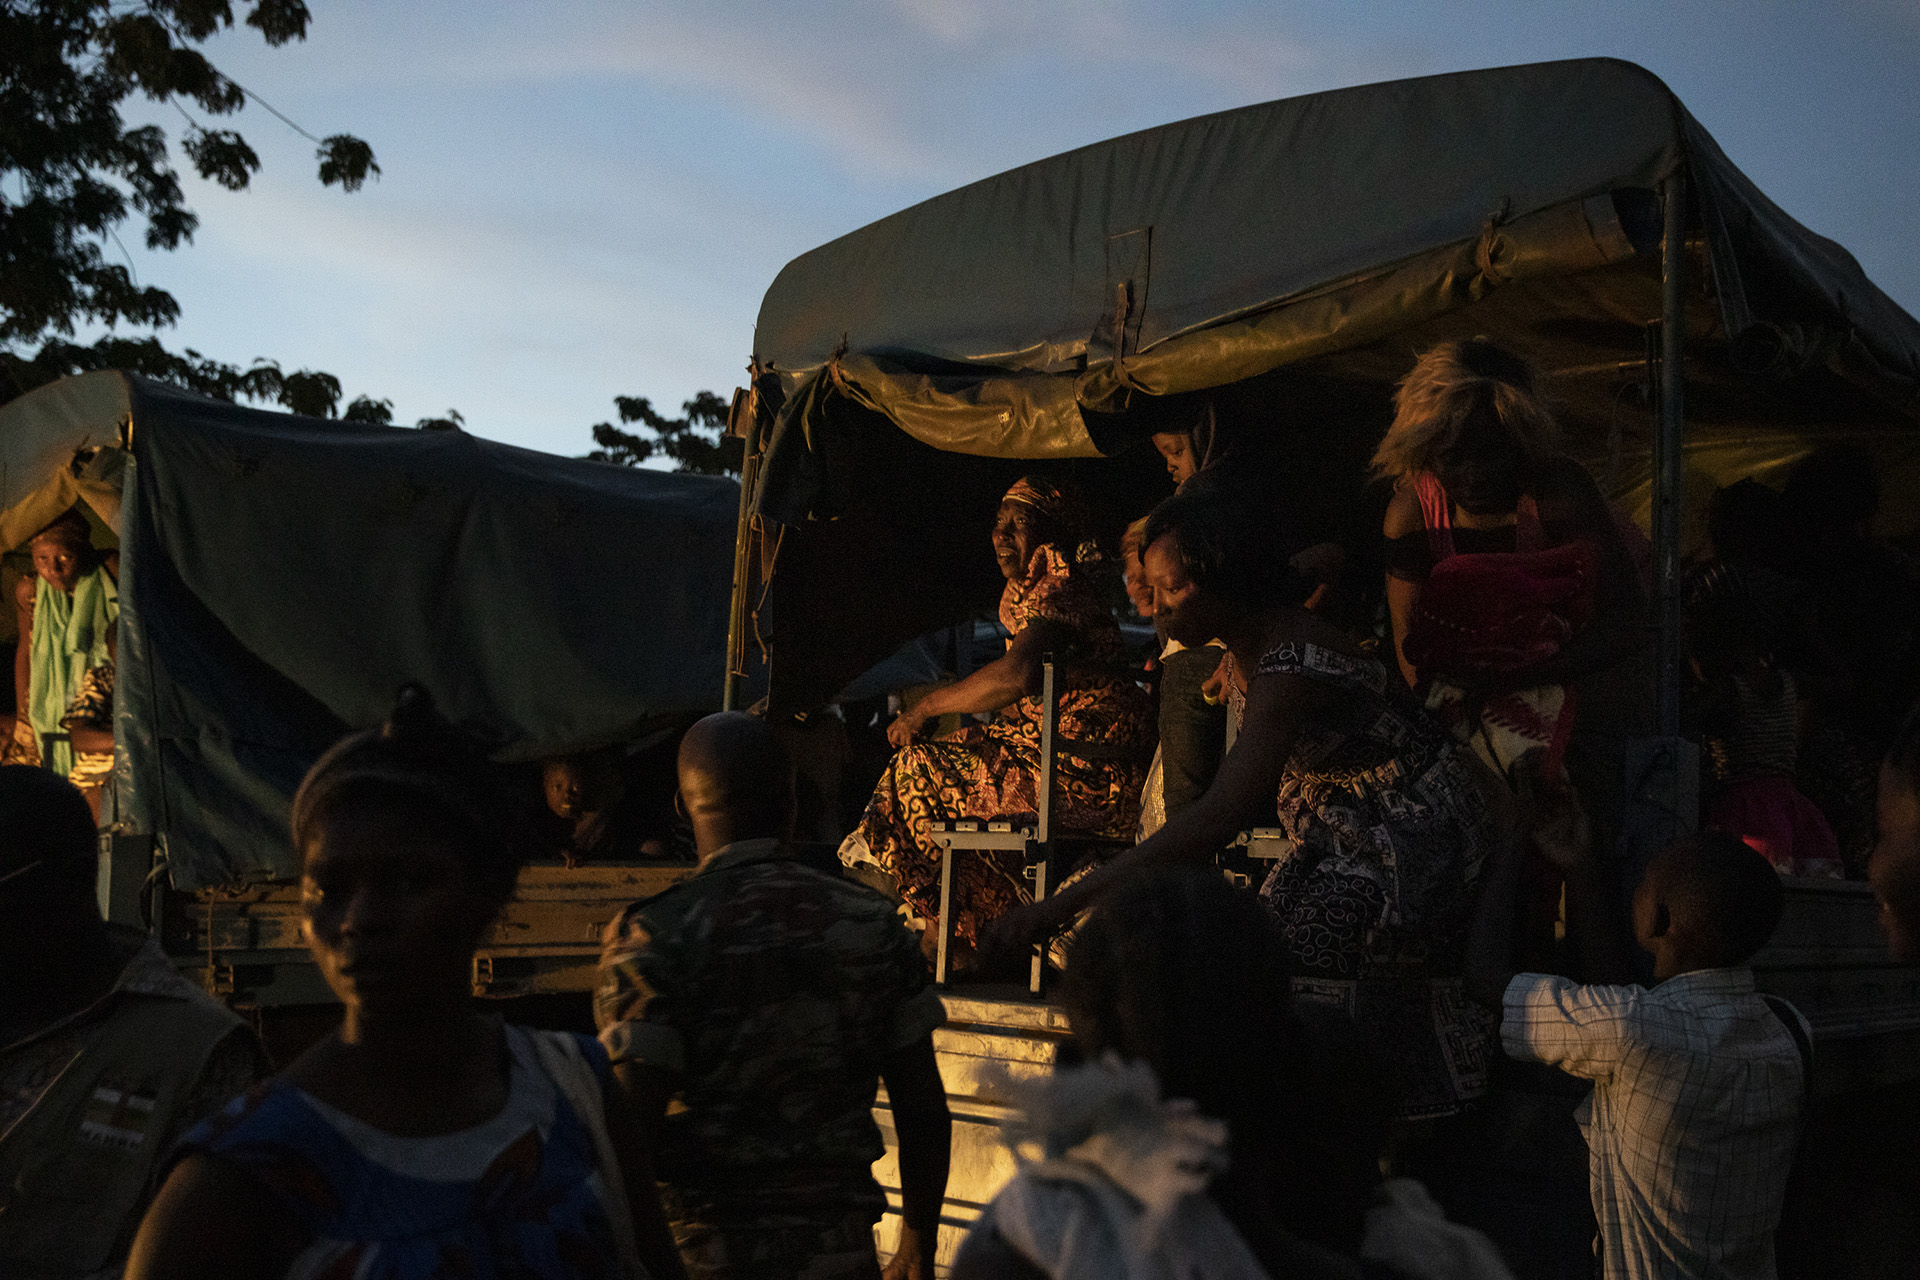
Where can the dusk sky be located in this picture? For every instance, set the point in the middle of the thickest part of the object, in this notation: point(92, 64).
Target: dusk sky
point(588, 199)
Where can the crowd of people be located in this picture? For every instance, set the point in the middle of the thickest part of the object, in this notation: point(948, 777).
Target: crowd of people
point(1260, 1080)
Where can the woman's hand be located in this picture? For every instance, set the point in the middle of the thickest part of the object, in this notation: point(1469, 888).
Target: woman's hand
point(1213, 690)
point(907, 725)
point(1008, 942)
point(1553, 817)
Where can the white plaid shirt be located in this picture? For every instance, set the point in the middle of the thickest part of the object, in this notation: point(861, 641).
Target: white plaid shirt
point(1691, 1127)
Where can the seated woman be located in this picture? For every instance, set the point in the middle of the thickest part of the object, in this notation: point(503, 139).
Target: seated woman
point(67, 614)
point(1472, 453)
point(990, 771)
point(1386, 812)
point(424, 1137)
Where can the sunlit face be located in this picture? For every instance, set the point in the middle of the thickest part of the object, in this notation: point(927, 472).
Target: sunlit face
point(1134, 575)
point(1184, 610)
point(1177, 448)
point(59, 562)
point(1016, 536)
point(389, 909)
point(1894, 870)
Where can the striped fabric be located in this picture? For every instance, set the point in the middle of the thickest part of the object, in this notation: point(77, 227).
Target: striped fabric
point(1762, 740)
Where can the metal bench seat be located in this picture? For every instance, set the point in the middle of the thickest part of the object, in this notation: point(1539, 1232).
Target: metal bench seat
point(1032, 836)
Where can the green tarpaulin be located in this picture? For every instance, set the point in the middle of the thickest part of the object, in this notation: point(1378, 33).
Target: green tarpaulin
point(283, 576)
point(1309, 249)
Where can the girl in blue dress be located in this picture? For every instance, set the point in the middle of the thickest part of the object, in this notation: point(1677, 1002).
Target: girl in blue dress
point(424, 1137)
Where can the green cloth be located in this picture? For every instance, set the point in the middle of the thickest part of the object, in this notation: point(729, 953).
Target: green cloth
point(70, 633)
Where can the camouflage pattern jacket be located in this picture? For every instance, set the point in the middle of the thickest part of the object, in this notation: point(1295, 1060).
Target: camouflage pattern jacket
point(771, 992)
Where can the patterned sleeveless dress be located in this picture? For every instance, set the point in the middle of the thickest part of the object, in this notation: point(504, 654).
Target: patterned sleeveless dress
point(1390, 835)
point(519, 1196)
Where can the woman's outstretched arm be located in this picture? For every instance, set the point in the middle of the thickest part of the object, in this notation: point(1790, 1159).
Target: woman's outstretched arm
point(1242, 795)
point(1002, 682)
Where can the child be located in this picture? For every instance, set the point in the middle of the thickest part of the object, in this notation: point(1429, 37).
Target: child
point(1748, 707)
point(1699, 1082)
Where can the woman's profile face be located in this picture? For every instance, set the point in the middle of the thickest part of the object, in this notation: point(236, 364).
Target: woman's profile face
point(1016, 536)
point(1177, 448)
point(1184, 610)
point(389, 909)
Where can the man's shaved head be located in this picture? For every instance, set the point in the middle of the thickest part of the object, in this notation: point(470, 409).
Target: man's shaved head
point(734, 781)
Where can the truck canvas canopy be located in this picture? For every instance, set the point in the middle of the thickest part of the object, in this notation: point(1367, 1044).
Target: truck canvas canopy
point(281, 577)
point(1308, 249)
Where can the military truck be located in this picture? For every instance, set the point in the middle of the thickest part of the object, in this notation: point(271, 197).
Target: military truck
point(281, 577)
point(1287, 261)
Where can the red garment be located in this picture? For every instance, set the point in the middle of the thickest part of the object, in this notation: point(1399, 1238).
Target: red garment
point(1771, 815)
point(1493, 612)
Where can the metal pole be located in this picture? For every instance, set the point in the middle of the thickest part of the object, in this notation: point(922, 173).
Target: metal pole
point(1667, 440)
point(742, 570)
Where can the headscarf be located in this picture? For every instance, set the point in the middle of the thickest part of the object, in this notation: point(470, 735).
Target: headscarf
point(1061, 509)
point(419, 752)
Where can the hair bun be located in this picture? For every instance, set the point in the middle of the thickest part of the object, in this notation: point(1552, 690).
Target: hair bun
point(413, 716)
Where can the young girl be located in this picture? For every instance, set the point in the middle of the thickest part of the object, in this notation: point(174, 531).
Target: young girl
point(424, 1137)
point(1749, 712)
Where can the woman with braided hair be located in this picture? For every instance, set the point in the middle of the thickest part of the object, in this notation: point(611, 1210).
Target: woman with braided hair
point(990, 771)
point(424, 1137)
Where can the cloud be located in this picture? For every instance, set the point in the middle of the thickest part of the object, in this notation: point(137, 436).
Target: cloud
point(922, 92)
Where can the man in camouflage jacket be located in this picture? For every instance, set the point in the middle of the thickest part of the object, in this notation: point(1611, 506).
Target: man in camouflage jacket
point(766, 1000)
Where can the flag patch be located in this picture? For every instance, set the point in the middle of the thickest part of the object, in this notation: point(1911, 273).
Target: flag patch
point(117, 1118)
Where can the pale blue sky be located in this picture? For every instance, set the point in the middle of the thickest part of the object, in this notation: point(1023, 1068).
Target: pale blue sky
point(588, 199)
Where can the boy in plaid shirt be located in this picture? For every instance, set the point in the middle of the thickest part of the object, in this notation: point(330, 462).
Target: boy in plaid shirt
point(1699, 1082)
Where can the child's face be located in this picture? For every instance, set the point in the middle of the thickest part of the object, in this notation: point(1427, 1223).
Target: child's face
point(1176, 447)
point(1894, 870)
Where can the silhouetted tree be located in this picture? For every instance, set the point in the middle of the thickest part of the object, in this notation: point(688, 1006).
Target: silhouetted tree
point(72, 172)
point(697, 441)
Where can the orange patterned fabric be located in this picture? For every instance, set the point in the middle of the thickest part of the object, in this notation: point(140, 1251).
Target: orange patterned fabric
point(989, 771)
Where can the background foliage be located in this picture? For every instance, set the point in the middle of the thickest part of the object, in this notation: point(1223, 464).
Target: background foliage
point(73, 173)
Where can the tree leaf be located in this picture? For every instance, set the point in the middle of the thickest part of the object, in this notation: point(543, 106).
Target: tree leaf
point(279, 21)
point(223, 156)
point(347, 161)
point(366, 409)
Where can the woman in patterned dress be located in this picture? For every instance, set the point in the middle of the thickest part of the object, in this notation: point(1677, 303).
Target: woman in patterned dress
point(1388, 815)
point(989, 770)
